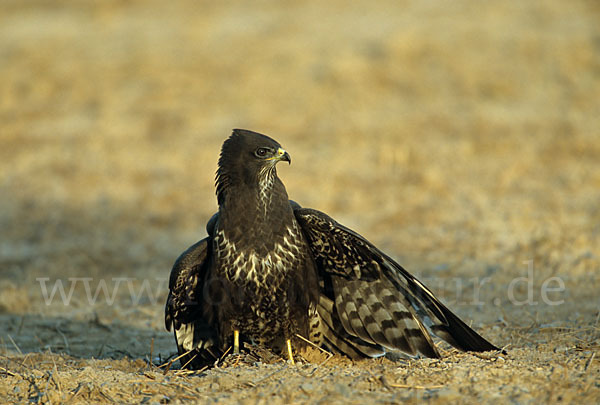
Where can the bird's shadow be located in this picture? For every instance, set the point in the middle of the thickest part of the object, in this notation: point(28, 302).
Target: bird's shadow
point(85, 339)
point(48, 242)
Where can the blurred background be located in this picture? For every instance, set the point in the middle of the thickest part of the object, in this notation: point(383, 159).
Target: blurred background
point(461, 137)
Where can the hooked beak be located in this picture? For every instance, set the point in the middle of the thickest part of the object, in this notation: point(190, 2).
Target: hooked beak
point(283, 155)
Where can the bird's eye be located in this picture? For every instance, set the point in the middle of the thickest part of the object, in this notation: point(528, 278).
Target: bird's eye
point(261, 152)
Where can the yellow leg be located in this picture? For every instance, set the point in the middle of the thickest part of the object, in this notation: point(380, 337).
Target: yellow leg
point(289, 350)
point(236, 342)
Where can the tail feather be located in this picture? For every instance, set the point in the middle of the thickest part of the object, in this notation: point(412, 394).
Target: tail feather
point(442, 322)
point(336, 338)
point(459, 334)
point(376, 313)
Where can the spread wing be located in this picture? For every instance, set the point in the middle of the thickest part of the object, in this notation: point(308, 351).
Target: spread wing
point(186, 311)
point(369, 303)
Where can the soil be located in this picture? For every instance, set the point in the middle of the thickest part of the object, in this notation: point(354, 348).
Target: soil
point(462, 139)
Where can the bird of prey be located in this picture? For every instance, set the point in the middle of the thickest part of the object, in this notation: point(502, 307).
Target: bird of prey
point(270, 271)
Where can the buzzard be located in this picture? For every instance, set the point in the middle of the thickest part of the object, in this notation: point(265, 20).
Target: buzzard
point(270, 271)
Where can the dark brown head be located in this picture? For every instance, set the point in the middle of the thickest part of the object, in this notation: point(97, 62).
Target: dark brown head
point(249, 159)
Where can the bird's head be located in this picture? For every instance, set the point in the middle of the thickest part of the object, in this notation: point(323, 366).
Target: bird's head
point(250, 158)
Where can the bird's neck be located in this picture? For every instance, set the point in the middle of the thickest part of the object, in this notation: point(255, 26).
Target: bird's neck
point(250, 210)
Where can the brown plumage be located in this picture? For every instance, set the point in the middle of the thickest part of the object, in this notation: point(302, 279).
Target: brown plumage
point(271, 269)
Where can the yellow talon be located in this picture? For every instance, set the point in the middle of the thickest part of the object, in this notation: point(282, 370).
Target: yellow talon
point(289, 350)
point(236, 342)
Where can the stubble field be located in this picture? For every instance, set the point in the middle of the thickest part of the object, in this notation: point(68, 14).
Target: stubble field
point(463, 138)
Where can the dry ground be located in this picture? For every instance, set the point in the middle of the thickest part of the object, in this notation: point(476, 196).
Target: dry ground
point(461, 137)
